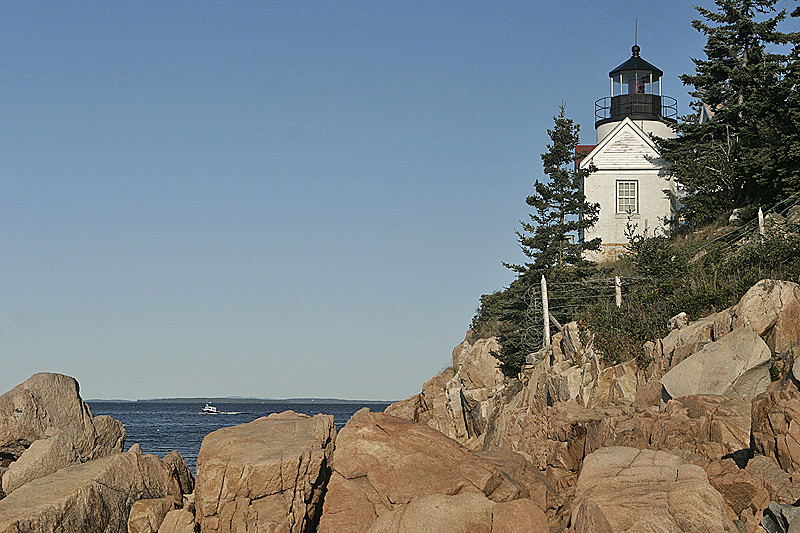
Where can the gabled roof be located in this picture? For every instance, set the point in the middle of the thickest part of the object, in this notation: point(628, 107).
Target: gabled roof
point(626, 127)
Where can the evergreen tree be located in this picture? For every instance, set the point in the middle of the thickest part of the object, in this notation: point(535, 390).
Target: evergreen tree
point(721, 162)
point(777, 168)
point(561, 212)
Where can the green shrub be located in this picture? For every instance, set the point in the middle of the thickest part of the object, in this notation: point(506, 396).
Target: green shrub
point(676, 278)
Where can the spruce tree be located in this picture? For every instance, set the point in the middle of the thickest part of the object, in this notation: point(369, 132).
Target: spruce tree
point(722, 162)
point(551, 239)
point(561, 213)
point(776, 166)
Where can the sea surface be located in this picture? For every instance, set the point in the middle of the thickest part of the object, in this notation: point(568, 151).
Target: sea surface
point(162, 426)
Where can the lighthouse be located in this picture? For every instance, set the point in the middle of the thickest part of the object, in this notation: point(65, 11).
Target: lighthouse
point(637, 196)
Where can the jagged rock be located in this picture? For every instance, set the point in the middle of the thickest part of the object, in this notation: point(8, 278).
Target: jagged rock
point(52, 401)
point(613, 384)
point(469, 511)
point(409, 408)
point(566, 381)
point(720, 424)
point(781, 518)
point(588, 383)
point(188, 503)
point(776, 431)
point(477, 367)
point(567, 405)
point(560, 436)
point(48, 408)
point(522, 473)
point(775, 481)
point(624, 489)
point(770, 308)
point(736, 365)
point(269, 474)
point(92, 497)
point(568, 345)
point(382, 462)
point(181, 471)
point(649, 394)
point(459, 401)
point(146, 515)
point(743, 491)
point(177, 521)
point(783, 338)
point(551, 436)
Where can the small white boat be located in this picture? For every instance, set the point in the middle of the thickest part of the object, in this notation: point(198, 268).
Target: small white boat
point(209, 409)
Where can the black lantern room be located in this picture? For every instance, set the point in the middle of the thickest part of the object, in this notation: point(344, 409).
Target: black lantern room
point(635, 93)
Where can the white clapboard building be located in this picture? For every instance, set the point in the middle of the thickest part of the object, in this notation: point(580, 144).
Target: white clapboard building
point(634, 192)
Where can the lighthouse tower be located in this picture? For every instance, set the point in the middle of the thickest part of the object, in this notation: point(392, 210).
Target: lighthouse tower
point(630, 184)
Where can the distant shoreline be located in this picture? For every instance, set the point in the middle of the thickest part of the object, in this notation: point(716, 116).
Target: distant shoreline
point(201, 399)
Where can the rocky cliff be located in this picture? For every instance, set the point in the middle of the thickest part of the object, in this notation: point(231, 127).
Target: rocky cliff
point(704, 438)
point(64, 470)
point(707, 399)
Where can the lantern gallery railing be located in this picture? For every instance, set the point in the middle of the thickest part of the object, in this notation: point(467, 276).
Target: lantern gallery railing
point(636, 106)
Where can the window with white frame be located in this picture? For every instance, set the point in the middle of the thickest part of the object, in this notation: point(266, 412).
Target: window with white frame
point(627, 197)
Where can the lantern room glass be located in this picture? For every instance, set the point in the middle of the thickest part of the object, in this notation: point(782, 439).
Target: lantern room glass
point(635, 83)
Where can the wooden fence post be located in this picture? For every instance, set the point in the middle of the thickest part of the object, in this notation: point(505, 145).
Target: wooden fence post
point(545, 314)
point(618, 291)
point(761, 222)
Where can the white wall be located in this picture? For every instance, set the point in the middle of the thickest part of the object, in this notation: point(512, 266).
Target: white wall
point(654, 206)
point(626, 153)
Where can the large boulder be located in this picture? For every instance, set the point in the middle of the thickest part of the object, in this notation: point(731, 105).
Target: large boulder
point(180, 470)
point(45, 425)
point(737, 365)
point(623, 489)
point(466, 512)
point(43, 457)
point(92, 497)
point(772, 309)
point(382, 462)
point(267, 475)
point(764, 303)
point(689, 339)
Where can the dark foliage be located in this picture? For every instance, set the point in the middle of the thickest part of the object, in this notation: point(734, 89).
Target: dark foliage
point(560, 210)
point(738, 157)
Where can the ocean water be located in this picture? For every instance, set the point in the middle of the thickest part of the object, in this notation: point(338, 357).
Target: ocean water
point(162, 426)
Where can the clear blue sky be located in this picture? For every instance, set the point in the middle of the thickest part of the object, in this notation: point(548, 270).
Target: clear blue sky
point(281, 199)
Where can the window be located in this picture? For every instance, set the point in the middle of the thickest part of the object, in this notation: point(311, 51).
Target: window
point(627, 197)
